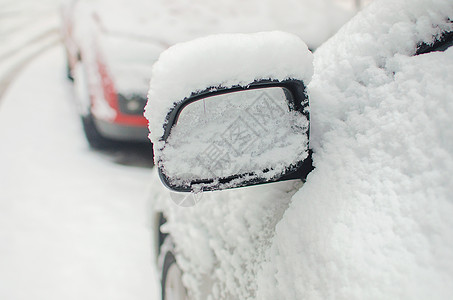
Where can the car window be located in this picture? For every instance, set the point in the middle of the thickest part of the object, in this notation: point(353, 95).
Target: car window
point(442, 44)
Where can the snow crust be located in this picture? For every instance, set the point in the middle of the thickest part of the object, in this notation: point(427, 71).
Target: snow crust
point(221, 241)
point(221, 61)
point(373, 220)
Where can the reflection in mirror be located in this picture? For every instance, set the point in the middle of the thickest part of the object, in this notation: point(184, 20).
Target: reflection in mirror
point(251, 132)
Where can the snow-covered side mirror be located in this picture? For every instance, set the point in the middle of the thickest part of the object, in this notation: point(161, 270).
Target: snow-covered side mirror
point(236, 112)
point(237, 137)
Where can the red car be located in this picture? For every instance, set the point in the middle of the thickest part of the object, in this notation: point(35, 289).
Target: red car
point(109, 62)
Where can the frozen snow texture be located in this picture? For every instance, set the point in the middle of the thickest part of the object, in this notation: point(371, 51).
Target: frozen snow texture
point(221, 60)
point(221, 242)
point(373, 220)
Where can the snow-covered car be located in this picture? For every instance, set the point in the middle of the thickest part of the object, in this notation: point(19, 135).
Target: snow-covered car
point(372, 220)
point(109, 58)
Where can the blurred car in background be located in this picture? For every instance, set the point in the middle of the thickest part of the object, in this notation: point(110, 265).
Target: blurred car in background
point(109, 61)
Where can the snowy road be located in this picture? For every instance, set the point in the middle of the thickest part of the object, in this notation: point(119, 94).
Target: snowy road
point(73, 224)
point(26, 30)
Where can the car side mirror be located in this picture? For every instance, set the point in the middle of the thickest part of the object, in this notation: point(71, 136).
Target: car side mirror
point(241, 135)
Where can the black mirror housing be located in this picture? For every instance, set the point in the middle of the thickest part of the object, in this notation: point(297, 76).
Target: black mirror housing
point(296, 101)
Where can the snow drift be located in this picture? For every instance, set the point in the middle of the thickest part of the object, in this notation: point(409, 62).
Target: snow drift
point(374, 219)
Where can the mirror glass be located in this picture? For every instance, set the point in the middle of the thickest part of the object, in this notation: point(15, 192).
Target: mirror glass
point(251, 132)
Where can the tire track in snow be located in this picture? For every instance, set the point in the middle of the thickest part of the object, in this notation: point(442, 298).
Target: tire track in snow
point(26, 33)
point(29, 43)
point(16, 61)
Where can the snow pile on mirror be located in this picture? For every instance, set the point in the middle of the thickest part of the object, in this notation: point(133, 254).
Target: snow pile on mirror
point(374, 219)
point(221, 61)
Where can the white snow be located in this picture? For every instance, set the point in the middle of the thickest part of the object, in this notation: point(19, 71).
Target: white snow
point(25, 31)
point(373, 220)
point(170, 22)
point(73, 225)
point(226, 234)
point(221, 241)
point(221, 61)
